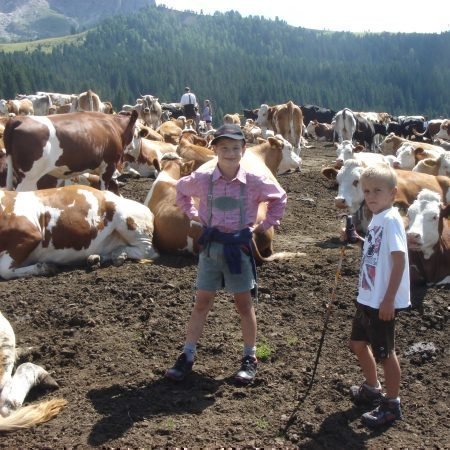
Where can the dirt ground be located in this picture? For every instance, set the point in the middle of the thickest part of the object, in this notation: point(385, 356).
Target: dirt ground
point(107, 336)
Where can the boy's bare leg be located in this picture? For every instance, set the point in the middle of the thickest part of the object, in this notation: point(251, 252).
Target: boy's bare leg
point(203, 303)
point(366, 360)
point(392, 375)
point(244, 306)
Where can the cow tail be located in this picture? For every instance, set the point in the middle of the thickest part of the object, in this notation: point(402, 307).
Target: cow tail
point(259, 259)
point(91, 102)
point(290, 106)
point(31, 415)
point(11, 125)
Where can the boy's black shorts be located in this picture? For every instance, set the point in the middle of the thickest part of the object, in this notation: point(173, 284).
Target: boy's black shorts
point(368, 327)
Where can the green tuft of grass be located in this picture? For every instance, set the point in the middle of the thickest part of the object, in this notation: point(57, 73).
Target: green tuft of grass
point(263, 351)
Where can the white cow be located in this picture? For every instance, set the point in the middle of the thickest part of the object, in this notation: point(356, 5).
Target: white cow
point(346, 150)
point(14, 388)
point(344, 124)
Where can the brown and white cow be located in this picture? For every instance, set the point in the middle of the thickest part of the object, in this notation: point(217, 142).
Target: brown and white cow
point(192, 152)
point(444, 131)
point(172, 129)
point(69, 226)
point(232, 119)
point(408, 156)
point(22, 107)
point(41, 103)
point(428, 235)
point(15, 387)
point(435, 166)
point(350, 194)
point(150, 111)
point(65, 145)
point(320, 131)
point(285, 119)
point(173, 231)
point(86, 101)
point(432, 129)
point(392, 143)
point(142, 159)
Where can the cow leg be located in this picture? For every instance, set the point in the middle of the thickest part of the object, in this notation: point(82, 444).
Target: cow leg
point(26, 376)
point(8, 273)
point(7, 351)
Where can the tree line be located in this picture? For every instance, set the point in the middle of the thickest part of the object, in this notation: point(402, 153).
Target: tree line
point(240, 63)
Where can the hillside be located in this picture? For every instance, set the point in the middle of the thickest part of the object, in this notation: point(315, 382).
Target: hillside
point(22, 20)
point(237, 63)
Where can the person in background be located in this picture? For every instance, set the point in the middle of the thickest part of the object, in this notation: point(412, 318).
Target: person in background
point(229, 197)
point(207, 115)
point(383, 291)
point(190, 105)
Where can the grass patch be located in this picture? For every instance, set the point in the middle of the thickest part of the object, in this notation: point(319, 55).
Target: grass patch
point(43, 45)
point(261, 423)
point(292, 340)
point(263, 351)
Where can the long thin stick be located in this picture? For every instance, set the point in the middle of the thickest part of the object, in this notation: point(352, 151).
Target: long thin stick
point(322, 338)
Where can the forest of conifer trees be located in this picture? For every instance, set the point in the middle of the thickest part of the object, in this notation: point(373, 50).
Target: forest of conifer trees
point(240, 63)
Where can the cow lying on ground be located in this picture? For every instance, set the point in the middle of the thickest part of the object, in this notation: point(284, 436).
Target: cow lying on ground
point(346, 150)
point(408, 156)
point(69, 226)
point(65, 145)
point(392, 143)
point(435, 166)
point(174, 232)
point(428, 235)
point(14, 388)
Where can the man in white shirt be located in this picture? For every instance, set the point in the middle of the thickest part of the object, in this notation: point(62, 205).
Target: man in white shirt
point(189, 102)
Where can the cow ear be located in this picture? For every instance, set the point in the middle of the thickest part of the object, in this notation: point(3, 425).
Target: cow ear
point(445, 211)
point(329, 173)
point(429, 162)
point(260, 140)
point(419, 153)
point(156, 165)
point(358, 148)
point(187, 167)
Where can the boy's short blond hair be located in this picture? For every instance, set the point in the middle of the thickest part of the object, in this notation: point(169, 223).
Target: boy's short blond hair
point(380, 172)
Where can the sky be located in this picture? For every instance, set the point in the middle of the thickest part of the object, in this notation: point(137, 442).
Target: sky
point(395, 16)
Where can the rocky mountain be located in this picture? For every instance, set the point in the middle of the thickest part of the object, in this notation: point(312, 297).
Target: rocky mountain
point(23, 20)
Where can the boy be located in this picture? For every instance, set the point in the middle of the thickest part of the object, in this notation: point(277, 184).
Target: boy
point(229, 197)
point(383, 290)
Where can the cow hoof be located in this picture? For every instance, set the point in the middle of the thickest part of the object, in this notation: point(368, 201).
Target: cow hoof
point(46, 269)
point(118, 260)
point(94, 261)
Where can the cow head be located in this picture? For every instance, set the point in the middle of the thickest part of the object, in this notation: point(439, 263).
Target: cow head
point(263, 116)
point(350, 195)
point(406, 156)
point(344, 151)
point(290, 160)
point(426, 220)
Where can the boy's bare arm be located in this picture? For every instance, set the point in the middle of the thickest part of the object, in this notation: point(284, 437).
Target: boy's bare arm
point(387, 308)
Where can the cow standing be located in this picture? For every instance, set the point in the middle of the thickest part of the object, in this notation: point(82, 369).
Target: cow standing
point(65, 145)
point(285, 119)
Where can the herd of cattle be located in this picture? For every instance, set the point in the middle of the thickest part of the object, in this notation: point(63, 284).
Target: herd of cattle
point(61, 156)
point(57, 168)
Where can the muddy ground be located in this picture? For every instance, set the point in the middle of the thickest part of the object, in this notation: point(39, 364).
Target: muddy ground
point(107, 336)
